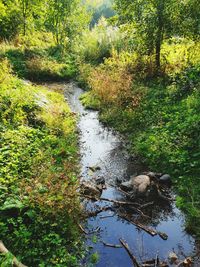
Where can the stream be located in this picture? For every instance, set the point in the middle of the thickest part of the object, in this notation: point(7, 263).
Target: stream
point(105, 149)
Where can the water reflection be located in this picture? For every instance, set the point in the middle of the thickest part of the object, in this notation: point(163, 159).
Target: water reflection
point(103, 148)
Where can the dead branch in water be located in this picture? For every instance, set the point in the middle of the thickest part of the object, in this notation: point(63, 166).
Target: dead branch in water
point(133, 258)
point(118, 202)
point(148, 230)
point(15, 261)
point(111, 245)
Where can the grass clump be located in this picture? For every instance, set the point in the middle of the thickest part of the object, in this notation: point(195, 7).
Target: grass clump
point(38, 176)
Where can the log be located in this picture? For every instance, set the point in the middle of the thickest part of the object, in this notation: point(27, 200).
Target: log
point(4, 250)
point(133, 258)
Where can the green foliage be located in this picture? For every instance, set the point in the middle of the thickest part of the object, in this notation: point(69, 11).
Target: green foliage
point(97, 44)
point(38, 59)
point(39, 202)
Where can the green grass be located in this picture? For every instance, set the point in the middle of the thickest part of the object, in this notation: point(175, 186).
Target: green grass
point(39, 204)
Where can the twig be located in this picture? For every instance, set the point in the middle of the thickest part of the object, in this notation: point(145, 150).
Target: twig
point(146, 205)
point(107, 216)
point(133, 258)
point(88, 233)
point(111, 245)
point(15, 261)
point(156, 260)
point(82, 229)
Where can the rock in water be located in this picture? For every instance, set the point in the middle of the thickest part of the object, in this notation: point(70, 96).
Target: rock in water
point(165, 179)
point(139, 184)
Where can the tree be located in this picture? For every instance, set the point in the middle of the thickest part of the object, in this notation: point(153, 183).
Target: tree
point(31, 12)
point(10, 20)
point(154, 21)
point(65, 18)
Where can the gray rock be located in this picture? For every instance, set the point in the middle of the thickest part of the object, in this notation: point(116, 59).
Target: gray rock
point(166, 179)
point(140, 184)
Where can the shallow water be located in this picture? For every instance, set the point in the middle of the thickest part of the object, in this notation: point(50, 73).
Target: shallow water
point(99, 146)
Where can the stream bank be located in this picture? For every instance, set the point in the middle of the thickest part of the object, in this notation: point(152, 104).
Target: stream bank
point(104, 149)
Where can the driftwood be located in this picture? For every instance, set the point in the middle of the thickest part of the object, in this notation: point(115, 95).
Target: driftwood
point(15, 261)
point(111, 245)
point(133, 258)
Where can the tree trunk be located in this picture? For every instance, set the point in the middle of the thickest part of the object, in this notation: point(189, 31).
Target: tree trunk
point(158, 49)
point(15, 261)
point(159, 34)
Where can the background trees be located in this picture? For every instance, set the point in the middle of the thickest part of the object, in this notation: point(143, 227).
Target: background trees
point(157, 20)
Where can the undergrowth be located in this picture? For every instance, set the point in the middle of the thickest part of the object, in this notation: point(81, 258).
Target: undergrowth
point(39, 203)
point(38, 59)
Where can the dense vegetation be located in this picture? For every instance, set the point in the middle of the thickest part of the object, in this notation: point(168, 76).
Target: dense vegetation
point(141, 67)
point(147, 87)
point(39, 202)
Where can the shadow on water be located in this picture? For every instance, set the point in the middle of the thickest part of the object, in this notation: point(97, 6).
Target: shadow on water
point(102, 147)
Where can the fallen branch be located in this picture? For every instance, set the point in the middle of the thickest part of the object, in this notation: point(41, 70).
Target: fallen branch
point(15, 261)
point(118, 202)
point(133, 258)
point(111, 245)
point(148, 230)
